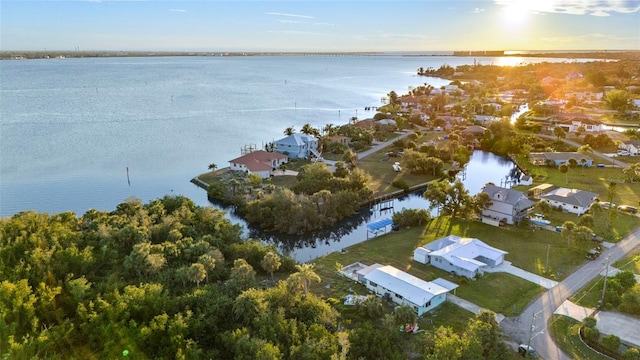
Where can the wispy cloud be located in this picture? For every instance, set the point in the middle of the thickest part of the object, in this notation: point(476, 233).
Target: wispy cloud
point(178, 10)
point(294, 32)
point(575, 7)
point(478, 10)
point(290, 15)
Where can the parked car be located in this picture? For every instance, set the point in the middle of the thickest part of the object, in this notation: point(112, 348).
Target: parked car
point(527, 351)
point(623, 153)
point(606, 204)
point(593, 254)
point(628, 208)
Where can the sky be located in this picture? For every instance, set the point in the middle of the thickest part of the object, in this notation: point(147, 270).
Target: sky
point(319, 26)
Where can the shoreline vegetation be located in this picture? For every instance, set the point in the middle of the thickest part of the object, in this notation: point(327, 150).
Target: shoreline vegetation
point(61, 54)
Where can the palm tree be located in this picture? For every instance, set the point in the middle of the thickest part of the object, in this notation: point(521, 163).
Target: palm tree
point(304, 277)
point(213, 167)
point(289, 131)
point(583, 162)
point(328, 129)
point(307, 129)
point(564, 168)
point(632, 171)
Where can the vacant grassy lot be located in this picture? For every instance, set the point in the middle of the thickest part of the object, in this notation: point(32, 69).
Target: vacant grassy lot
point(565, 332)
point(379, 165)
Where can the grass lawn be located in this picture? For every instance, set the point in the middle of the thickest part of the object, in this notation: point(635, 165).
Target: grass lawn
point(565, 332)
point(592, 179)
point(631, 262)
point(590, 294)
point(621, 223)
point(378, 165)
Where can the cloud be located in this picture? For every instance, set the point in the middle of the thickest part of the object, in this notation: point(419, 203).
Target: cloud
point(478, 10)
point(294, 32)
point(178, 10)
point(575, 7)
point(290, 15)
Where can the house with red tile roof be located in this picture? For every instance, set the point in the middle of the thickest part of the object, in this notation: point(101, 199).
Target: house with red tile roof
point(258, 162)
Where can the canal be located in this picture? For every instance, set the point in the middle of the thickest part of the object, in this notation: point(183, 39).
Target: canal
point(483, 167)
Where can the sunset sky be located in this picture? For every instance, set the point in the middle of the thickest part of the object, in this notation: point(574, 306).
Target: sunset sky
point(301, 25)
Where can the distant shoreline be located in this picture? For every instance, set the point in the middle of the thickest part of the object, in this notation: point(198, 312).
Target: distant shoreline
point(604, 54)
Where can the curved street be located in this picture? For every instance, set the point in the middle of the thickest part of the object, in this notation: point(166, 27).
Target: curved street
point(532, 324)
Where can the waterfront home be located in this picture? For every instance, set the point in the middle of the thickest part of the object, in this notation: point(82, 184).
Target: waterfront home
point(570, 200)
point(466, 257)
point(298, 145)
point(631, 146)
point(558, 158)
point(507, 205)
point(402, 288)
point(258, 162)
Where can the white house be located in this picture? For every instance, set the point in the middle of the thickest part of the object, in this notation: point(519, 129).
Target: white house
point(632, 146)
point(507, 205)
point(403, 288)
point(460, 256)
point(258, 162)
point(570, 200)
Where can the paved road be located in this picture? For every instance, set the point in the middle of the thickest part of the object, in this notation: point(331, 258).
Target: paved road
point(532, 323)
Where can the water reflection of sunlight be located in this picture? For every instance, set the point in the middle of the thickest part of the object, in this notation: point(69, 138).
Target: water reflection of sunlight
point(510, 61)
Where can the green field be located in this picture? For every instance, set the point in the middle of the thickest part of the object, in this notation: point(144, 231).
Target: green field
point(631, 262)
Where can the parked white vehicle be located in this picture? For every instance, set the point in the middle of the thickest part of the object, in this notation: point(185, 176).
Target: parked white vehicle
point(396, 166)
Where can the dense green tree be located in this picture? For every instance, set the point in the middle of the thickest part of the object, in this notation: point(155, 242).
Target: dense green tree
point(271, 262)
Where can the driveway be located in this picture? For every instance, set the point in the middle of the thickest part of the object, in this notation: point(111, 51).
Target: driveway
point(516, 271)
point(469, 306)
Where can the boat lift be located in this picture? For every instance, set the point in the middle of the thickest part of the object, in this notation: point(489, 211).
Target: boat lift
point(379, 226)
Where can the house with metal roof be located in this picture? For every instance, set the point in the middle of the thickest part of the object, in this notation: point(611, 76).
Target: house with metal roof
point(258, 162)
point(403, 288)
point(298, 145)
point(466, 257)
point(507, 205)
point(570, 200)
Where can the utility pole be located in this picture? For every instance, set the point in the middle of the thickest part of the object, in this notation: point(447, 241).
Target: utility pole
point(546, 266)
point(604, 288)
point(533, 317)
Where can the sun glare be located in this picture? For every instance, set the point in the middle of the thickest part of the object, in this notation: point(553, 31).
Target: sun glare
point(515, 13)
point(509, 61)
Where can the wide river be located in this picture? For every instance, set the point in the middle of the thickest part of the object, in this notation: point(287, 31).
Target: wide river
point(70, 128)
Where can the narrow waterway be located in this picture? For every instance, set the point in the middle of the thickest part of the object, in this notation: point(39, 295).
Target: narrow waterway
point(483, 167)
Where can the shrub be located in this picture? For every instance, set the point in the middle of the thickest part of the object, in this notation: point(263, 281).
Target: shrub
point(611, 343)
point(411, 217)
point(401, 184)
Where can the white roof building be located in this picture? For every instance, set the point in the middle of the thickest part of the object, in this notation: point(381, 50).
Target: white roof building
point(403, 288)
point(460, 256)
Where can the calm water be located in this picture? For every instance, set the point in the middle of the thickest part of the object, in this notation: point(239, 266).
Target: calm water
point(69, 128)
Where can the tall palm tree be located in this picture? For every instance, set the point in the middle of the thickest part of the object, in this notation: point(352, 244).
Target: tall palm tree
point(304, 277)
point(289, 131)
point(307, 129)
